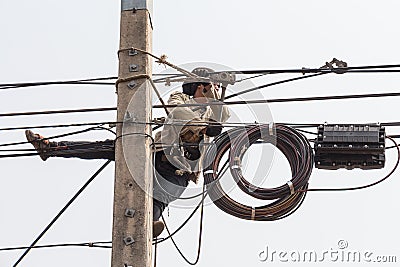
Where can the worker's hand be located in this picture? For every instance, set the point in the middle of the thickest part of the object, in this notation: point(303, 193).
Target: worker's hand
point(211, 92)
point(214, 128)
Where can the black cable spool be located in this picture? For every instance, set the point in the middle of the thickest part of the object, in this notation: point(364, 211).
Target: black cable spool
point(287, 199)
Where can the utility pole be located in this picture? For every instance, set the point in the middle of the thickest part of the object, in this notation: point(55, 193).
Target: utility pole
point(133, 206)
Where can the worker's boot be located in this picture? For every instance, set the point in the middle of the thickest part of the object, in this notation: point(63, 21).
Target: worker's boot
point(41, 146)
point(158, 227)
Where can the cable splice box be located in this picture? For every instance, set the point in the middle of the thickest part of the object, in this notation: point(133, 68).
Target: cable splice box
point(350, 146)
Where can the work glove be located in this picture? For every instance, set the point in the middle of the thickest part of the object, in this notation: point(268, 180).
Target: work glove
point(214, 128)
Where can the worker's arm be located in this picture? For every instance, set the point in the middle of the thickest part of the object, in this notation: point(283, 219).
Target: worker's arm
point(220, 112)
point(180, 113)
point(194, 125)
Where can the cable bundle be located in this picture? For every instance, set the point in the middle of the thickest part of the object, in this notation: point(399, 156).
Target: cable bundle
point(287, 198)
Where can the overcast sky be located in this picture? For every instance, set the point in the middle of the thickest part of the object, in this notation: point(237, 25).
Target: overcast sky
point(47, 40)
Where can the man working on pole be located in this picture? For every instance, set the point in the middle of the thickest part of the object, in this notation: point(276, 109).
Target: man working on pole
point(177, 146)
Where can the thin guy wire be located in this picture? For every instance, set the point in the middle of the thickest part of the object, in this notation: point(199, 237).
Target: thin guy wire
point(61, 212)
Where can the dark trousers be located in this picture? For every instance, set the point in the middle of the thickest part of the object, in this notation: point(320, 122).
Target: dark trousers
point(167, 186)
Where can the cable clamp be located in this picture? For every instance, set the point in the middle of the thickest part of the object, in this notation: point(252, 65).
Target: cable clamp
point(235, 167)
point(290, 184)
point(253, 213)
point(271, 128)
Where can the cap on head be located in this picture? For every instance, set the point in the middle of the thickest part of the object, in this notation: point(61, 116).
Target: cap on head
point(189, 86)
point(203, 71)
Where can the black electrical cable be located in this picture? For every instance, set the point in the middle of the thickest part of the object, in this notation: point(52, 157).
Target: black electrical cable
point(17, 150)
point(57, 126)
point(220, 174)
point(272, 84)
point(324, 70)
point(312, 70)
point(49, 112)
point(200, 235)
point(93, 81)
point(18, 155)
point(284, 100)
point(251, 77)
point(87, 244)
point(62, 211)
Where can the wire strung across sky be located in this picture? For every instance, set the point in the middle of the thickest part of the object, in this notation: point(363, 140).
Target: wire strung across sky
point(358, 69)
point(92, 81)
point(112, 124)
point(241, 102)
point(100, 80)
point(62, 211)
point(99, 244)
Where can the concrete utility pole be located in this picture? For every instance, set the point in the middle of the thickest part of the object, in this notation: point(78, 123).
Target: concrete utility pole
point(133, 209)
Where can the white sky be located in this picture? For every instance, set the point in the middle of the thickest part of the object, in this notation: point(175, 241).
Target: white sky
point(53, 40)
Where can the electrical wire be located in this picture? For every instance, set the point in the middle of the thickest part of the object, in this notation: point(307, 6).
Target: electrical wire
point(314, 70)
point(200, 235)
point(201, 204)
point(283, 100)
point(87, 244)
point(221, 173)
point(324, 70)
point(49, 112)
point(272, 84)
point(59, 125)
point(92, 81)
point(247, 102)
point(61, 212)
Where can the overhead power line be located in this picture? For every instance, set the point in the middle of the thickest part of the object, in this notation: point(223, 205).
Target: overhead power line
point(92, 81)
point(370, 68)
point(48, 112)
point(285, 100)
point(58, 125)
point(242, 102)
point(98, 81)
point(86, 244)
point(272, 84)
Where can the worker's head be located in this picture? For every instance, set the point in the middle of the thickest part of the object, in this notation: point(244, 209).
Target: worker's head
point(196, 87)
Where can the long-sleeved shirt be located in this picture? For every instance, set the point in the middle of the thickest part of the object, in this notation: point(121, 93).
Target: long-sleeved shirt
point(186, 125)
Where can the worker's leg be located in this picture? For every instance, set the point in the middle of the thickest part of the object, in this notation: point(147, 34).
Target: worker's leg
point(167, 186)
point(67, 149)
point(83, 149)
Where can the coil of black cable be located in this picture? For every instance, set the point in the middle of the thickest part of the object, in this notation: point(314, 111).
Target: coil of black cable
point(286, 198)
